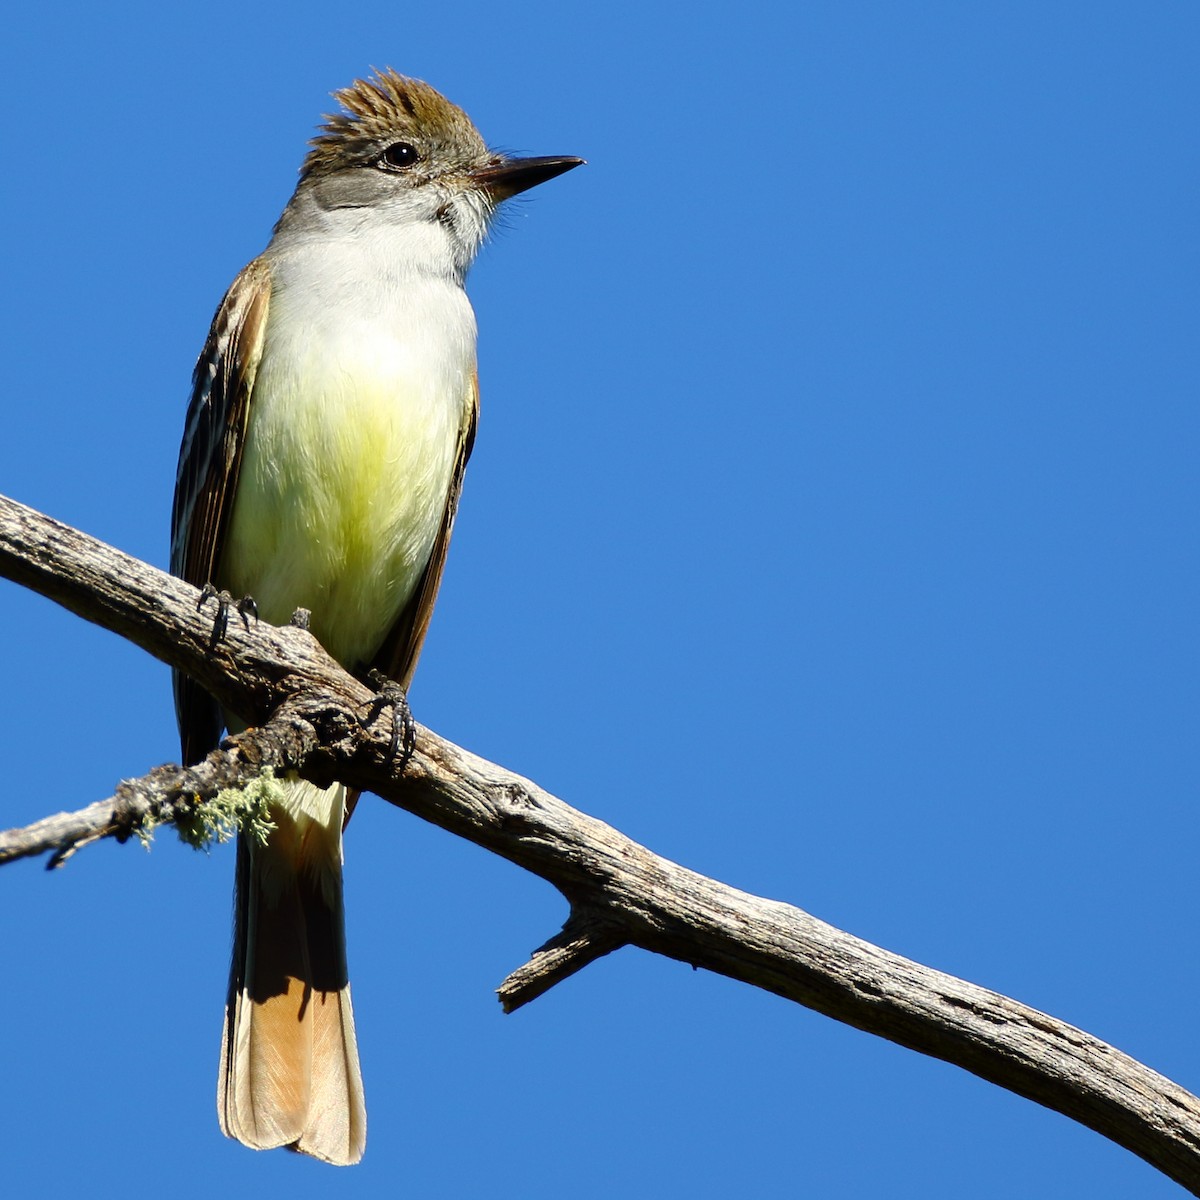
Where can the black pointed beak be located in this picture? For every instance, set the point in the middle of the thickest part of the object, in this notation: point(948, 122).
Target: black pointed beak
point(512, 175)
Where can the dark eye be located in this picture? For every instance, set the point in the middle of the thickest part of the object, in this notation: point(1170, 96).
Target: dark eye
point(398, 157)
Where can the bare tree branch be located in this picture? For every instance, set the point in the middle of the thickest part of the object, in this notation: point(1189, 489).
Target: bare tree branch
point(168, 794)
point(588, 934)
point(619, 892)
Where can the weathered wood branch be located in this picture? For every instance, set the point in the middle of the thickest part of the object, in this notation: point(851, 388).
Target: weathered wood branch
point(311, 717)
point(167, 795)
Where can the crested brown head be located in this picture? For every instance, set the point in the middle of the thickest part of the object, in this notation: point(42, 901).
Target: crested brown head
point(392, 110)
point(401, 162)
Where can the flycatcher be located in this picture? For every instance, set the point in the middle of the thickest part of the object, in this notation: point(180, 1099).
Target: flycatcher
point(333, 410)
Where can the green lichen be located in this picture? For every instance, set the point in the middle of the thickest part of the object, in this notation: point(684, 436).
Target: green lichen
point(245, 809)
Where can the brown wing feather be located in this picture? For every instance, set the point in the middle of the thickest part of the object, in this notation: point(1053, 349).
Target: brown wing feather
point(397, 657)
point(209, 460)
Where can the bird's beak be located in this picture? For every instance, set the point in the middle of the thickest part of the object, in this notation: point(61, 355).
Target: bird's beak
point(508, 176)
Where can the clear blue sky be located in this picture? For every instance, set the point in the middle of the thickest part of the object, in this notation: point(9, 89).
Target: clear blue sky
point(831, 529)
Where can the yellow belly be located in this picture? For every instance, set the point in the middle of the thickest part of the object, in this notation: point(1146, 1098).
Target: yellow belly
point(342, 489)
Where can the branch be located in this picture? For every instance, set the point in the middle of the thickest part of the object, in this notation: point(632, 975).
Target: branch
point(588, 934)
point(619, 892)
point(167, 795)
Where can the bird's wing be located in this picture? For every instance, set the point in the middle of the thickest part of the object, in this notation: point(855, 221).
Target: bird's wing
point(397, 657)
point(209, 460)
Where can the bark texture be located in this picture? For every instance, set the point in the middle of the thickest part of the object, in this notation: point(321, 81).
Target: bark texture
point(309, 715)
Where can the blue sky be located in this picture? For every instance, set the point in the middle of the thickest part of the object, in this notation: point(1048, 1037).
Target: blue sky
point(831, 529)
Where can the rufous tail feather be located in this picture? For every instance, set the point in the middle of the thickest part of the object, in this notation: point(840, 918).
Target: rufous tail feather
point(289, 1059)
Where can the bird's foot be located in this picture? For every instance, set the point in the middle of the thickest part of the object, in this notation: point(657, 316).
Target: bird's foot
point(404, 728)
point(246, 609)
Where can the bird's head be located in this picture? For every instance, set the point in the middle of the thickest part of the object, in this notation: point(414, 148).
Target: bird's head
point(401, 152)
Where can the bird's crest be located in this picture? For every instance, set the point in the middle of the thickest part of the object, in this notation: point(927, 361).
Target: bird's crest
point(385, 108)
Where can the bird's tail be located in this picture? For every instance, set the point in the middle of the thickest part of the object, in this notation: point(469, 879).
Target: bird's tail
point(289, 1060)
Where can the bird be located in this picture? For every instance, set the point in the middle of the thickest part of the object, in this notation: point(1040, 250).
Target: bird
point(332, 413)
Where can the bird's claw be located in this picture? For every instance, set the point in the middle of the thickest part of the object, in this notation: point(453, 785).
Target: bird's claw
point(246, 609)
point(404, 728)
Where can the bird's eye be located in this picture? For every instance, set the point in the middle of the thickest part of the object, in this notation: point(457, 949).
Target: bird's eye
point(399, 156)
